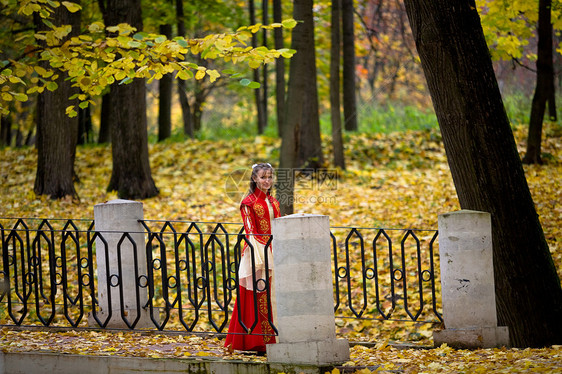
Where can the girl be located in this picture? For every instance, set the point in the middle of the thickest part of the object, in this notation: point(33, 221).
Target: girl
point(258, 209)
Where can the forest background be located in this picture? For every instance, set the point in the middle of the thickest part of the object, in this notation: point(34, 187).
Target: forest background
point(396, 173)
point(390, 87)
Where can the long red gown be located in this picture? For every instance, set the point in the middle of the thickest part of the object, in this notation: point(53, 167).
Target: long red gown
point(257, 210)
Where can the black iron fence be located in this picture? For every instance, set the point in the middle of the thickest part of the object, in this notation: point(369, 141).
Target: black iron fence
point(49, 274)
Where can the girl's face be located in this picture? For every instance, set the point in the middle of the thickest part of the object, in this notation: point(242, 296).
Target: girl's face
point(264, 179)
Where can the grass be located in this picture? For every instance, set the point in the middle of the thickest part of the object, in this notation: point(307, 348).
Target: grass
point(380, 119)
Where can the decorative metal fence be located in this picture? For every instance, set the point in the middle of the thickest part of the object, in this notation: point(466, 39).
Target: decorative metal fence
point(48, 274)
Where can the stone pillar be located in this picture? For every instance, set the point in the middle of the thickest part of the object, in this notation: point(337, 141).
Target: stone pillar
point(112, 220)
point(467, 282)
point(304, 293)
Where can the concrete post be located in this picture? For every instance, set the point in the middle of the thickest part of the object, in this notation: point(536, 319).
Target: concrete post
point(304, 293)
point(467, 282)
point(112, 220)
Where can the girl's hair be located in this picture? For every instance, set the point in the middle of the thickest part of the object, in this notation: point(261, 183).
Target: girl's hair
point(255, 169)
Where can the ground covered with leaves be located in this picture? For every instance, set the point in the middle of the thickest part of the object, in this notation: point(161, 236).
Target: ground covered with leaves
point(398, 180)
point(380, 358)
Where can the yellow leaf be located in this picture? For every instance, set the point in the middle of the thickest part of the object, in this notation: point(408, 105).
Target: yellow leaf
point(213, 75)
point(289, 23)
point(254, 64)
point(200, 74)
point(72, 7)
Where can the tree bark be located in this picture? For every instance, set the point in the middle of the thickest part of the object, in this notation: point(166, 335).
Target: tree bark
point(188, 126)
point(335, 53)
point(265, 82)
point(485, 165)
point(5, 131)
point(279, 68)
point(302, 105)
point(104, 135)
point(349, 94)
point(182, 93)
point(256, 74)
point(84, 125)
point(544, 90)
point(165, 86)
point(57, 133)
point(131, 176)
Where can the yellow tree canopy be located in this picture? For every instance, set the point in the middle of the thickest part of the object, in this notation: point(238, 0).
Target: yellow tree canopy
point(104, 55)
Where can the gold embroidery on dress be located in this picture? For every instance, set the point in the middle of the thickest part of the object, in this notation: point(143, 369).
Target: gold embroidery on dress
point(266, 328)
point(262, 303)
point(260, 211)
point(264, 225)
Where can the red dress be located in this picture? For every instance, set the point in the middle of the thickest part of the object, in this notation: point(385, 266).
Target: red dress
point(257, 210)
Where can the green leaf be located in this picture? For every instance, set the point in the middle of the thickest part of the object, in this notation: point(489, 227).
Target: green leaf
point(245, 82)
point(140, 35)
point(254, 85)
point(181, 42)
point(126, 80)
point(52, 86)
point(185, 74)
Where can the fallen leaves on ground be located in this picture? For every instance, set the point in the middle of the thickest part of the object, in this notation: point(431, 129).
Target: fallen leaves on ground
point(448, 360)
point(379, 358)
point(398, 180)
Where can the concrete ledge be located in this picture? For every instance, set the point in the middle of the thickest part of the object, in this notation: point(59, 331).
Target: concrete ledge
point(472, 338)
point(324, 352)
point(40, 363)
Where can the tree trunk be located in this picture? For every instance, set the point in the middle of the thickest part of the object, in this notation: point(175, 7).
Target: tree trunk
point(256, 74)
point(486, 167)
point(279, 68)
point(265, 85)
point(57, 133)
point(5, 131)
point(310, 145)
point(337, 141)
point(131, 176)
point(165, 96)
point(349, 94)
point(302, 104)
point(182, 93)
point(84, 125)
point(104, 135)
point(188, 127)
point(544, 89)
